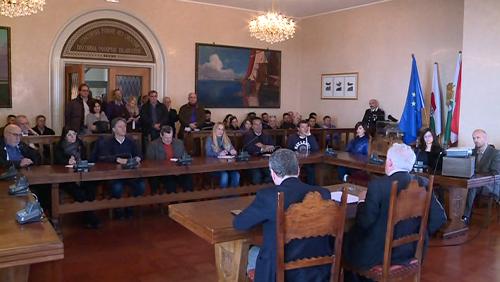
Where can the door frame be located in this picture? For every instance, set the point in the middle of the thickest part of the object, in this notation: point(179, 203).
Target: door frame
point(57, 75)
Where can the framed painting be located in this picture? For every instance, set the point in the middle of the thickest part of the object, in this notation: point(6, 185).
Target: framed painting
point(5, 77)
point(339, 86)
point(237, 77)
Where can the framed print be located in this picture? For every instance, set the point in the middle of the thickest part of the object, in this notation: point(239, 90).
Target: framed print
point(339, 86)
point(5, 75)
point(237, 77)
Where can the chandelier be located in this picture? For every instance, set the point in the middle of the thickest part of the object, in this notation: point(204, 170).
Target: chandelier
point(272, 27)
point(19, 8)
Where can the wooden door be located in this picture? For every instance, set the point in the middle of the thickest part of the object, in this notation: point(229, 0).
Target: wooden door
point(74, 76)
point(130, 80)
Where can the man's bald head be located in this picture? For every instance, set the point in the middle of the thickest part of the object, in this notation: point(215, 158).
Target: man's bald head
point(480, 138)
point(373, 103)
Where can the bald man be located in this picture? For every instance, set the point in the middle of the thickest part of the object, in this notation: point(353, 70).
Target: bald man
point(191, 115)
point(13, 151)
point(487, 162)
point(372, 115)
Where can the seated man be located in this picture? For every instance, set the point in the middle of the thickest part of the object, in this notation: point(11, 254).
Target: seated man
point(304, 143)
point(11, 119)
point(165, 148)
point(118, 149)
point(487, 162)
point(255, 142)
point(23, 123)
point(287, 122)
point(364, 243)
point(284, 168)
point(208, 124)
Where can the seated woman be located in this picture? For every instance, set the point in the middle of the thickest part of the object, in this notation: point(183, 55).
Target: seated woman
point(219, 145)
point(358, 145)
point(429, 151)
point(96, 121)
point(233, 124)
point(69, 151)
point(165, 148)
point(246, 125)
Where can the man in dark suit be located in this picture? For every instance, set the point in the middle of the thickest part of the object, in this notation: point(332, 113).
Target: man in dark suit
point(191, 115)
point(165, 148)
point(77, 109)
point(372, 115)
point(256, 142)
point(284, 169)
point(364, 243)
point(487, 162)
point(153, 117)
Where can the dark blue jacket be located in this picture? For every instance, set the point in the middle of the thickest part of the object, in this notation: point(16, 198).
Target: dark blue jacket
point(108, 149)
point(364, 243)
point(307, 144)
point(250, 139)
point(358, 146)
point(262, 211)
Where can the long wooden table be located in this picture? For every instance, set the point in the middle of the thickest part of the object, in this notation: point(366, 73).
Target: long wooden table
point(455, 187)
point(23, 245)
point(54, 175)
point(213, 222)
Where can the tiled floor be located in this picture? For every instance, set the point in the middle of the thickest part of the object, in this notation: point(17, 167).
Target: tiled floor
point(152, 247)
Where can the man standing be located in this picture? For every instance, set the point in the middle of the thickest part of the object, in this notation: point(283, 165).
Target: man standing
point(165, 148)
point(118, 149)
point(172, 116)
point(364, 243)
point(77, 109)
point(372, 115)
point(487, 162)
point(304, 143)
point(117, 107)
point(153, 117)
point(284, 168)
point(255, 142)
point(191, 115)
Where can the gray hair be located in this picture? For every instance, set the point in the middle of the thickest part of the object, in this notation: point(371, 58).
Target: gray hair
point(402, 156)
point(284, 163)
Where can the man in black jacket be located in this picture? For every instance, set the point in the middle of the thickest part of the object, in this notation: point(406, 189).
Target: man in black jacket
point(14, 152)
point(372, 115)
point(256, 142)
point(153, 117)
point(364, 243)
point(77, 109)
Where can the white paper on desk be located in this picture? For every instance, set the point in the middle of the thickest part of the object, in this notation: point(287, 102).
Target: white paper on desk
point(174, 159)
point(337, 197)
point(225, 157)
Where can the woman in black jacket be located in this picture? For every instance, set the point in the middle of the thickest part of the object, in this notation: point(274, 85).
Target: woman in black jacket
point(69, 151)
point(429, 151)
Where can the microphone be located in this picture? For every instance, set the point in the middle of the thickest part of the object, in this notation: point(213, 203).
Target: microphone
point(391, 118)
point(437, 162)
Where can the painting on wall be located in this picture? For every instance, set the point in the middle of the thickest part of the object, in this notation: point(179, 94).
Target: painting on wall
point(339, 86)
point(5, 79)
point(237, 77)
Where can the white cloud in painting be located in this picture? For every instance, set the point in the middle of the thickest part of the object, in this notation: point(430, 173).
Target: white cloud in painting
point(214, 70)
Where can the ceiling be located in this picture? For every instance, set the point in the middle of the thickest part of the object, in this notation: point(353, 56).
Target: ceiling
point(292, 8)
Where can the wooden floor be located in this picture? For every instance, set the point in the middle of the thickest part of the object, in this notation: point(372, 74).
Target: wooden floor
point(151, 247)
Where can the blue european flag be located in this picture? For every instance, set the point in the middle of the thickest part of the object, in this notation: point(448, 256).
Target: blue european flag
point(411, 120)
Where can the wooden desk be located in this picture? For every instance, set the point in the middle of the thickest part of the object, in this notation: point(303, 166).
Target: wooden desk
point(212, 221)
point(456, 189)
point(23, 245)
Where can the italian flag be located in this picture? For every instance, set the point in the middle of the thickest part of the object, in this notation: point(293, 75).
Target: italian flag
point(435, 121)
point(453, 117)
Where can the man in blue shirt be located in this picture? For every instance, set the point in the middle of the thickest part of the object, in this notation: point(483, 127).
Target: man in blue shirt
point(14, 152)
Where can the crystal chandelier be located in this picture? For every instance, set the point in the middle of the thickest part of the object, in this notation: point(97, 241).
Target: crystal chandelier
point(272, 27)
point(19, 8)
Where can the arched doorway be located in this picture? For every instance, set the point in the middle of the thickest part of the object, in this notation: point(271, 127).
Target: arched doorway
point(109, 42)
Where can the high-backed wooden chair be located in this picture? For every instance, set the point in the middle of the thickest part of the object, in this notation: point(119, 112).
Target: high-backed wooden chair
point(412, 202)
point(44, 144)
point(313, 217)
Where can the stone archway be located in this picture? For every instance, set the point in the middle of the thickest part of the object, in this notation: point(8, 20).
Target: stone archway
point(61, 54)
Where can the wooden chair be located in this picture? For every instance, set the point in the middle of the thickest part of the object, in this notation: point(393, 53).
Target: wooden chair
point(310, 218)
point(412, 202)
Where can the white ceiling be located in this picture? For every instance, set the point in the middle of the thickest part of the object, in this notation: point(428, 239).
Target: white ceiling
point(292, 8)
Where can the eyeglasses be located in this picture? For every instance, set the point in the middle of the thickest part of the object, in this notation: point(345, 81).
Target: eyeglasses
point(16, 134)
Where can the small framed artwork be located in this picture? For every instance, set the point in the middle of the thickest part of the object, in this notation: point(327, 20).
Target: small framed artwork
point(339, 86)
point(5, 78)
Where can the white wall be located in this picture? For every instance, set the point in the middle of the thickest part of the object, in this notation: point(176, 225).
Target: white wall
point(481, 71)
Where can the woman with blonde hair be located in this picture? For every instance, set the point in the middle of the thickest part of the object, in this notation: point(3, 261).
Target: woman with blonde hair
point(133, 111)
point(219, 145)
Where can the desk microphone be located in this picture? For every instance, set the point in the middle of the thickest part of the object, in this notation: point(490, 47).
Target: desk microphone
point(437, 162)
